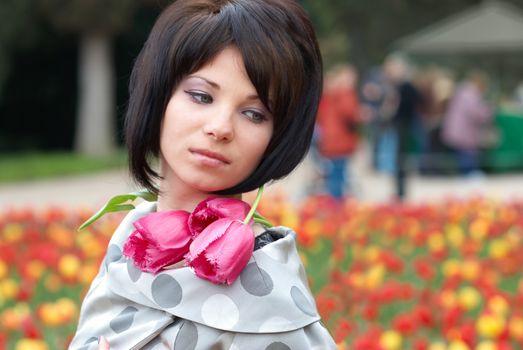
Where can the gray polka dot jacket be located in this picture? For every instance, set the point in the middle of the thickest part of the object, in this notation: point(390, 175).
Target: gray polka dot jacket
point(269, 307)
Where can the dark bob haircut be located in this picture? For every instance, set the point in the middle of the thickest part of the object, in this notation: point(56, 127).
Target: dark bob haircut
point(281, 57)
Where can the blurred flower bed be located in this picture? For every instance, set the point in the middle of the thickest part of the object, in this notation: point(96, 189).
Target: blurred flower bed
point(446, 276)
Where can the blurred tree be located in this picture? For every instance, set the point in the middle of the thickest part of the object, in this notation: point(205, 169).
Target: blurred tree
point(96, 22)
point(363, 31)
point(15, 31)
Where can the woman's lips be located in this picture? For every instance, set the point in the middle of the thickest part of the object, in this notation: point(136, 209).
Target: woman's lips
point(209, 158)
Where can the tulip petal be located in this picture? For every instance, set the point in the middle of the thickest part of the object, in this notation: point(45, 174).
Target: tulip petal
point(168, 229)
point(221, 251)
point(212, 209)
point(160, 239)
point(209, 235)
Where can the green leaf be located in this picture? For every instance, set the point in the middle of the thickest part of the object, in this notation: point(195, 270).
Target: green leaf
point(258, 218)
point(115, 204)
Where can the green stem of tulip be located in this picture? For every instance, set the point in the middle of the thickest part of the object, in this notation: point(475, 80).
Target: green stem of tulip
point(261, 220)
point(254, 205)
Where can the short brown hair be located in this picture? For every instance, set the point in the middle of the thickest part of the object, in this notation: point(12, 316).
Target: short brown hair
point(282, 60)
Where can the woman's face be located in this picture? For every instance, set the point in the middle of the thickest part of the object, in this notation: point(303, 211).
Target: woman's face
point(215, 129)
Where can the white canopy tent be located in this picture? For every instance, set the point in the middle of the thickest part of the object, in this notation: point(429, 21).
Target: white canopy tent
point(491, 27)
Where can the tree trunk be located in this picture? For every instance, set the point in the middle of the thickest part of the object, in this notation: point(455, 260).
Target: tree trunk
point(95, 126)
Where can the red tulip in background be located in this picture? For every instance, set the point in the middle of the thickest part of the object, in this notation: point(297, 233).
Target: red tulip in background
point(459, 283)
point(160, 239)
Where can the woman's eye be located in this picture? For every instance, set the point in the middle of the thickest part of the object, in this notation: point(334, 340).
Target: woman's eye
point(200, 97)
point(255, 116)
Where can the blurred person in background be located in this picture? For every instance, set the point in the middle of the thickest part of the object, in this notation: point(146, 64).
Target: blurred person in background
point(467, 121)
point(436, 86)
point(404, 121)
point(337, 128)
point(379, 102)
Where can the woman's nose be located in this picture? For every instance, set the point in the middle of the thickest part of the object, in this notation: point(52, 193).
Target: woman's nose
point(220, 126)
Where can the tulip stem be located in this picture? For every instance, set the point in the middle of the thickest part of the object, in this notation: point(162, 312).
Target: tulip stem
point(254, 205)
point(261, 220)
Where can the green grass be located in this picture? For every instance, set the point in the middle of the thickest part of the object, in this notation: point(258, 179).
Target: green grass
point(16, 167)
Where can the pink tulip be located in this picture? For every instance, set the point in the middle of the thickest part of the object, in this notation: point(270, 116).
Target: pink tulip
point(160, 239)
point(221, 251)
point(213, 209)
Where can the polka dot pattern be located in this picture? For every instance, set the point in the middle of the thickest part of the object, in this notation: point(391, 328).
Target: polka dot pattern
point(124, 320)
point(220, 311)
point(166, 291)
point(114, 253)
point(89, 341)
point(256, 281)
point(278, 346)
point(270, 297)
point(187, 337)
point(302, 302)
point(134, 273)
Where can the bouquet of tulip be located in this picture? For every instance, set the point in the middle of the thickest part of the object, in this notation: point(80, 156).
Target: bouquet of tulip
point(216, 239)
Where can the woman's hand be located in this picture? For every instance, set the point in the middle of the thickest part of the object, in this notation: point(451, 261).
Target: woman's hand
point(103, 344)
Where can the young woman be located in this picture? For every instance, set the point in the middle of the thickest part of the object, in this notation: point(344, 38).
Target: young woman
point(223, 99)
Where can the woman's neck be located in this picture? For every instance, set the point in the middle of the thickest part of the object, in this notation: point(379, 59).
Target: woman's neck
point(175, 198)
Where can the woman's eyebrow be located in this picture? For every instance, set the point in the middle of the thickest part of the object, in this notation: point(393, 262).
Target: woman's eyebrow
point(217, 86)
point(210, 82)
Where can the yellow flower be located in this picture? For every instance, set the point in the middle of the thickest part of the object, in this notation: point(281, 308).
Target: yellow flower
point(13, 232)
point(313, 227)
point(437, 346)
point(448, 298)
point(390, 340)
point(498, 305)
point(478, 229)
point(88, 273)
point(49, 315)
point(469, 298)
point(61, 235)
point(31, 344)
point(12, 318)
point(490, 326)
point(35, 269)
point(371, 253)
point(458, 345)
point(66, 308)
point(9, 288)
point(486, 345)
point(470, 270)
point(289, 217)
point(357, 279)
point(374, 276)
point(341, 346)
point(455, 235)
point(515, 327)
point(451, 267)
point(4, 269)
point(69, 265)
point(498, 248)
point(436, 241)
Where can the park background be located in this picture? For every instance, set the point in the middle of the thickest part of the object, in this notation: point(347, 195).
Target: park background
point(441, 271)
